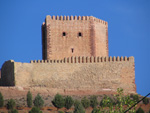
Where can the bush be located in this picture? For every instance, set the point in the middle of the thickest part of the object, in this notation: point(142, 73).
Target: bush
point(95, 110)
point(60, 112)
point(58, 101)
point(35, 110)
point(13, 111)
point(106, 102)
point(29, 99)
point(11, 104)
point(76, 103)
point(38, 101)
point(68, 102)
point(145, 101)
point(140, 110)
point(93, 101)
point(85, 102)
point(1, 100)
point(135, 97)
point(78, 107)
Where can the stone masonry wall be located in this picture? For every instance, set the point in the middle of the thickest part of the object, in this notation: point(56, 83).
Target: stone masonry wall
point(75, 73)
point(92, 42)
point(7, 74)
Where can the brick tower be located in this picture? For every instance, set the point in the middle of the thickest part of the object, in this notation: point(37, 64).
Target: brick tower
point(74, 36)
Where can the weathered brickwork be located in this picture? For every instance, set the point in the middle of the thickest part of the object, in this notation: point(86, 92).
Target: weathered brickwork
point(76, 73)
point(74, 36)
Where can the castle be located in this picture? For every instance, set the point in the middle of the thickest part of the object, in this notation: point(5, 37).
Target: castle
point(75, 58)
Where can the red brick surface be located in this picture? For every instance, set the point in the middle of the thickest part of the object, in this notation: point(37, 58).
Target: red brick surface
point(93, 42)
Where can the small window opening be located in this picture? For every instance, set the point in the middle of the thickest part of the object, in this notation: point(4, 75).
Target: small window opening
point(80, 34)
point(64, 34)
point(72, 50)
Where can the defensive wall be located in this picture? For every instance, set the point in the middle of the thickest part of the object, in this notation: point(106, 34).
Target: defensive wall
point(73, 73)
point(66, 36)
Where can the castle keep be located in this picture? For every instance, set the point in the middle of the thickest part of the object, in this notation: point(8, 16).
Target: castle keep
point(74, 36)
point(75, 59)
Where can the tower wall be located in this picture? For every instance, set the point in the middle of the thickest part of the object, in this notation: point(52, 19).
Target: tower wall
point(92, 42)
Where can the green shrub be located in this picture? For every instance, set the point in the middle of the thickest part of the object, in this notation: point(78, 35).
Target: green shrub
point(76, 103)
point(35, 110)
point(60, 112)
point(135, 97)
point(78, 107)
point(11, 104)
point(93, 101)
point(38, 101)
point(85, 102)
point(13, 111)
point(1, 100)
point(106, 102)
point(58, 101)
point(29, 99)
point(145, 101)
point(68, 102)
point(140, 110)
point(95, 110)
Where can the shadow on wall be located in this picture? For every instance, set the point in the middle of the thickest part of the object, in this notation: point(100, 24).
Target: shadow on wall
point(0, 76)
point(7, 74)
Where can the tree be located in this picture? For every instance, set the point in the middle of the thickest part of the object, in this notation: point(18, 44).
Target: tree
point(124, 100)
point(13, 111)
point(135, 97)
point(29, 99)
point(1, 100)
point(58, 101)
point(106, 102)
point(85, 102)
point(78, 107)
point(38, 101)
point(35, 110)
point(145, 101)
point(60, 112)
point(76, 103)
point(95, 110)
point(68, 102)
point(11, 104)
point(121, 100)
point(140, 110)
point(93, 101)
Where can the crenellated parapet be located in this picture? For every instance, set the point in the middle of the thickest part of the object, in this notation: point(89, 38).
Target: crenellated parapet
point(65, 18)
point(82, 59)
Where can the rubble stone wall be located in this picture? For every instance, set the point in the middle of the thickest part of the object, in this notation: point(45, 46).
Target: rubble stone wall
point(75, 73)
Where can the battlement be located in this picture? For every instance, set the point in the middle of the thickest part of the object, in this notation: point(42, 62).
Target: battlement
point(82, 59)
point(64, 18)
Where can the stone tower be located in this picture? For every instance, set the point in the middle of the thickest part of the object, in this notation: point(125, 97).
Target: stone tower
point(74, 36)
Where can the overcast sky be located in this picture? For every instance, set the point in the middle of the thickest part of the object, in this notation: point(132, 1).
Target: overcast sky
point(128, 29)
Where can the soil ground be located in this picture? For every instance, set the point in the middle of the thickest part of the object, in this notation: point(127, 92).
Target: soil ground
point(146, 108)
point(19, 95)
